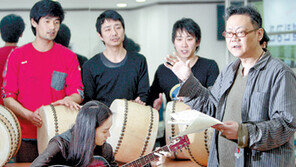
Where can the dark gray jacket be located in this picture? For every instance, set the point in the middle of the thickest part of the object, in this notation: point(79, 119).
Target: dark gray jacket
point(268, 111)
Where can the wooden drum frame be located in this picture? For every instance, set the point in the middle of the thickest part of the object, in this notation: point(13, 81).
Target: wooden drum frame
point(198, 150)
point(55, 120)
point(134, 130)
point(11, 135)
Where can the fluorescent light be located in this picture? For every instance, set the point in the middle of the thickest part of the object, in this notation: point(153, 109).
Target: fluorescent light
point(121, 5)
point(140, 0)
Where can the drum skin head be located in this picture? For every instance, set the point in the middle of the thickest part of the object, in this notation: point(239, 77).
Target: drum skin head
point(13, 132)
point(198, 150)
point(53, 123)
point(5, 144)
point(134, 130)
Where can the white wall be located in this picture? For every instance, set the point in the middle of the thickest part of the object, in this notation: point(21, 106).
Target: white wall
point(150, 27)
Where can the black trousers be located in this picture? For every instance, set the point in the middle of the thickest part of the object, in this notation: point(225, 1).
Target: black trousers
point(27, 152)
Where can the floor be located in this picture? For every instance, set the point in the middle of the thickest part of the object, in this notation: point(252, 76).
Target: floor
point(168, 163)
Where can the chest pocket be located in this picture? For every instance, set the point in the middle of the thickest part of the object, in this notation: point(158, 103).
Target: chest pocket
point(58, 80)
point(259, 107)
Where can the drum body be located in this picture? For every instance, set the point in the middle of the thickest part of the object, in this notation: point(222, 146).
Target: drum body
point(10, 132)
point(134, 130)
point(198, 150)
point(55, 120)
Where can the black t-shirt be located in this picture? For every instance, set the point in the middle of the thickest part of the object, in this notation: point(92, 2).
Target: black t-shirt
point(127, 79)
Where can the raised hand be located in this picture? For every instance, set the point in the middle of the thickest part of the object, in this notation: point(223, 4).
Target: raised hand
point(181, 69)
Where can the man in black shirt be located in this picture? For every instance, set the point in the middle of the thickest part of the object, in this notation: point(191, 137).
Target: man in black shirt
point(115, 73)
point(186, 37)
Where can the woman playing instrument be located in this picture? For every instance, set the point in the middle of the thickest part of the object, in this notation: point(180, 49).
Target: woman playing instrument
point(86, 139)
point(85, 143)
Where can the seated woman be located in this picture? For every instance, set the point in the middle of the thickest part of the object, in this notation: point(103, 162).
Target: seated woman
point(87, 138)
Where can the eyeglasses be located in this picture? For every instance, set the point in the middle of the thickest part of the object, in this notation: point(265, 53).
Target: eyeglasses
point(239, 34)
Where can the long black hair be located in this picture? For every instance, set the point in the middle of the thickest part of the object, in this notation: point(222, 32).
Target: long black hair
point(82, 145)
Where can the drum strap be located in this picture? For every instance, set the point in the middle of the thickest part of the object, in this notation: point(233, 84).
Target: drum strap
point(56, 124)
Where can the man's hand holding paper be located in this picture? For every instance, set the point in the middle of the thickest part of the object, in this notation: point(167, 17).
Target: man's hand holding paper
point(229, 129)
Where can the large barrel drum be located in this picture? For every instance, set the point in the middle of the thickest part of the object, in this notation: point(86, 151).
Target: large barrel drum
point(55, 120)
point(198, 150)
point(10, 134)
point(134, 130)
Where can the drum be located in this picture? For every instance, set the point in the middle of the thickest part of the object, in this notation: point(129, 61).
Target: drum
point(55, 120)
point(134, 130)
point(198, 150)
point(10, 131)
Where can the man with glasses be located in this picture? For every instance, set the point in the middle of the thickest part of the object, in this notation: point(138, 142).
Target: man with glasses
point(254, 97)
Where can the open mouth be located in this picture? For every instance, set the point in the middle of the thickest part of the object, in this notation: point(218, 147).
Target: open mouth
point(184, 52)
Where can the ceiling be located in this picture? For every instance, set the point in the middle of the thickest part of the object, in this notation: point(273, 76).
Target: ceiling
point(97, 4)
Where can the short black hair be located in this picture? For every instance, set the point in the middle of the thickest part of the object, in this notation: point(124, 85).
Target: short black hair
point(11, 27)
point(108, 14)
point(130, 45)
point(265, 38)
point(188, 25)
point(255, 16)
point(46, 8)
point(64, 35)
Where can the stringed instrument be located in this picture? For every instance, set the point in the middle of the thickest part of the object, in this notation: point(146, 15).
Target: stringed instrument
point(176, 144)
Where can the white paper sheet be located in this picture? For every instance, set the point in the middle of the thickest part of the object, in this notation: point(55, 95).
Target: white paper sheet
point(196, 121)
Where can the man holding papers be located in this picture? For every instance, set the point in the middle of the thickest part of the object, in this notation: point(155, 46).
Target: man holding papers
point(254, 97)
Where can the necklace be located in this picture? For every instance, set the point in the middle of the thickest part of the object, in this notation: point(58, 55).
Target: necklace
point(260, 56)
point(243, 70)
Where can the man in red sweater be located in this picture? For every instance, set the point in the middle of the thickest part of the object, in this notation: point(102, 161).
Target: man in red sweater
point(40, 73)
point(11, 29)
